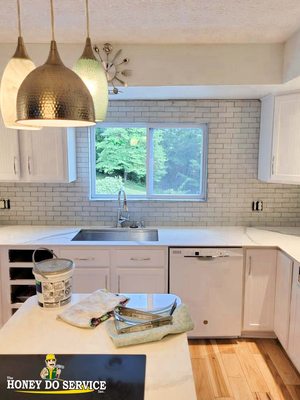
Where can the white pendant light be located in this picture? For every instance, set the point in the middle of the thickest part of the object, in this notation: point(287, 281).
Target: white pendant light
point(53, 95)
point(93, 75)
point(15, 72)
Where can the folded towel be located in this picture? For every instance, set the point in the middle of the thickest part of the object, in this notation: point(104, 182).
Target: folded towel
point(93, 309)
point(182, 322)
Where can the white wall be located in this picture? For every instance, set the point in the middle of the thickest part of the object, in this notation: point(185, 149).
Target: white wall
point(172, 65)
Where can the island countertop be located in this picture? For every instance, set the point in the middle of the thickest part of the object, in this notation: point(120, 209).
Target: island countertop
point(33, 330)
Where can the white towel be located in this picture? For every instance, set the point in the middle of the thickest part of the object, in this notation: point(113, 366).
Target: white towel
point(97, 307)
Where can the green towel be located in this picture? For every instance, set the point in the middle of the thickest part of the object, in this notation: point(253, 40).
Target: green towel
point(182, 322)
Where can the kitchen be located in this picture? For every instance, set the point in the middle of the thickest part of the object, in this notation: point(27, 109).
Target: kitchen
point(47, 211)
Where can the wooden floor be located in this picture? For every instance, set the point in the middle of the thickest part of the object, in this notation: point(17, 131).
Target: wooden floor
point(243, 369)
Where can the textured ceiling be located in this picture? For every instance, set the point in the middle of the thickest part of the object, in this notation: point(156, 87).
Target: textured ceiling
point(155, 21)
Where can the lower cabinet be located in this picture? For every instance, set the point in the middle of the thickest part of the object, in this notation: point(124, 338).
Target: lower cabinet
point(127, 270)
point(92, 269)
point(260, 280)
point(141, 280)
point(87, 280)
point(294, 333)
point(283, 298)
point(139, 270)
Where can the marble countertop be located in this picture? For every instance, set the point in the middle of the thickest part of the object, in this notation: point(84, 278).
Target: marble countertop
point(284, 238)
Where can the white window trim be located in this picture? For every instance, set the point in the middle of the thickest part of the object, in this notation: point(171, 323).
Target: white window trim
point(147, 197)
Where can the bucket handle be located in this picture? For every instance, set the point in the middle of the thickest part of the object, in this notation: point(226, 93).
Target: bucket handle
point(35, 266)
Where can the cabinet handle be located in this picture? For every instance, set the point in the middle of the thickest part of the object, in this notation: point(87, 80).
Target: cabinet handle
point(106, 281)
point(250, 266)
point(85, 259)
point(140, 259)
point(273, 162)
point(118, 283)
point(15, 165)
point(29, 165)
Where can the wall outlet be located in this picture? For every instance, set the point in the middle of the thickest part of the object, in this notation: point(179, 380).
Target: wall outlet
point(4, 204)
point(257, 205)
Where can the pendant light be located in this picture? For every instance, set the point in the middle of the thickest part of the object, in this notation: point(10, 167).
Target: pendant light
point(15, 72)
point(53, 95)
point(93, 74)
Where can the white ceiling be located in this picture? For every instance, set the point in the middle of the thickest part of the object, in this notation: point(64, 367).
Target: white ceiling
point(155, 21)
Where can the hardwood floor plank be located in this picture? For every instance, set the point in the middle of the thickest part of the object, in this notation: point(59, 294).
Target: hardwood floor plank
point(281, 362)
point(240, 388)
point(227, 346)
point(253, 375)
point(201, 347)
point(294, 391)
point(243, 369)
point(273, 385)
point(218, 376)
point(203, 386)
point(262, 396)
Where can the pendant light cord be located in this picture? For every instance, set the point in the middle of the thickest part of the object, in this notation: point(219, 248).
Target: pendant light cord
point(52, 19)
point(19, 18)
point(87, 18)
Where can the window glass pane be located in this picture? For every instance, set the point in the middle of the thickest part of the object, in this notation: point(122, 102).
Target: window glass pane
point(177, 156)
point(121, 160)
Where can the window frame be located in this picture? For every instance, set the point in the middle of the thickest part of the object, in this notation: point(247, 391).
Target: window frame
point(202, 197)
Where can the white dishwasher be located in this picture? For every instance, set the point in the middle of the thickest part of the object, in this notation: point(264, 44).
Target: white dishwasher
point(210, 282)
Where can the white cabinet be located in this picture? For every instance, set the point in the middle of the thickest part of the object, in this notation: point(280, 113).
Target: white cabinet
point(139, 270)
point(294, 334)
point(127, 270)
point(92, 269)
point(279, 160)
point(141, 280)
point(260, 278)
point(44, 156)
point(87, 280)
point(283, 298)
point(9, 154)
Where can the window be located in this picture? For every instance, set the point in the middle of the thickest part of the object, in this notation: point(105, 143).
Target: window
point(154, 161)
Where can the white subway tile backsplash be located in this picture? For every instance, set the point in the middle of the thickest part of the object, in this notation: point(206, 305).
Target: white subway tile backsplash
point(232, 175)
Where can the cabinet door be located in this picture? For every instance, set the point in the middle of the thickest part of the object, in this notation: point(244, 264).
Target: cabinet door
point(283, 297)
point(141, 280)
point(286, 139)
point(87, 280)
point(45, 155)
point(9, 154)
point(294, 334)
point(260, 275)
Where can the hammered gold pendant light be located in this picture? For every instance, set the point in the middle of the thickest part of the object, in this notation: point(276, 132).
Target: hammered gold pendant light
point(53, 95)
point(93, 74)
point(15, 72)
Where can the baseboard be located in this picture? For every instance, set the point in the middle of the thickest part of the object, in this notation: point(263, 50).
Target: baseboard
point(258, 334)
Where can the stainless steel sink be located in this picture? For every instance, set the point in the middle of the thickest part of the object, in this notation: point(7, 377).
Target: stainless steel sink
point(122, 234)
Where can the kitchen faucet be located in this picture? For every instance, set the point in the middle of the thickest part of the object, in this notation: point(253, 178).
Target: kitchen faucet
point(123, 214)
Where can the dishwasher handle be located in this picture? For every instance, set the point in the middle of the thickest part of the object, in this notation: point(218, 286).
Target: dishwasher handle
point(208, 258)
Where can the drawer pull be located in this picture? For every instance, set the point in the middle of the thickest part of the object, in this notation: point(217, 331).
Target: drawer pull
point(84, 259)
point(140, 258)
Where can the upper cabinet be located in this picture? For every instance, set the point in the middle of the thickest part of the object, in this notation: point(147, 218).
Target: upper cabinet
point(279, 144)
point(38, 156)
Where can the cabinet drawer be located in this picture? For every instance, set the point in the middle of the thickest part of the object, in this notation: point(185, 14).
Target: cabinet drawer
point(88, 258)
point(138, 258)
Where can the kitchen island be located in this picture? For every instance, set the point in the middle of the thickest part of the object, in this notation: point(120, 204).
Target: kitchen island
point(33, 330)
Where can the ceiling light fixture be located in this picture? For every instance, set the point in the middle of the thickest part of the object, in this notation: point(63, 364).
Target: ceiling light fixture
point(54, 95)
point(15, 72)
point(93, 74)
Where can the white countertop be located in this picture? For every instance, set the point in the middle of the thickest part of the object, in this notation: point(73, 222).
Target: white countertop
point(33, 330)
point(282, 237)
